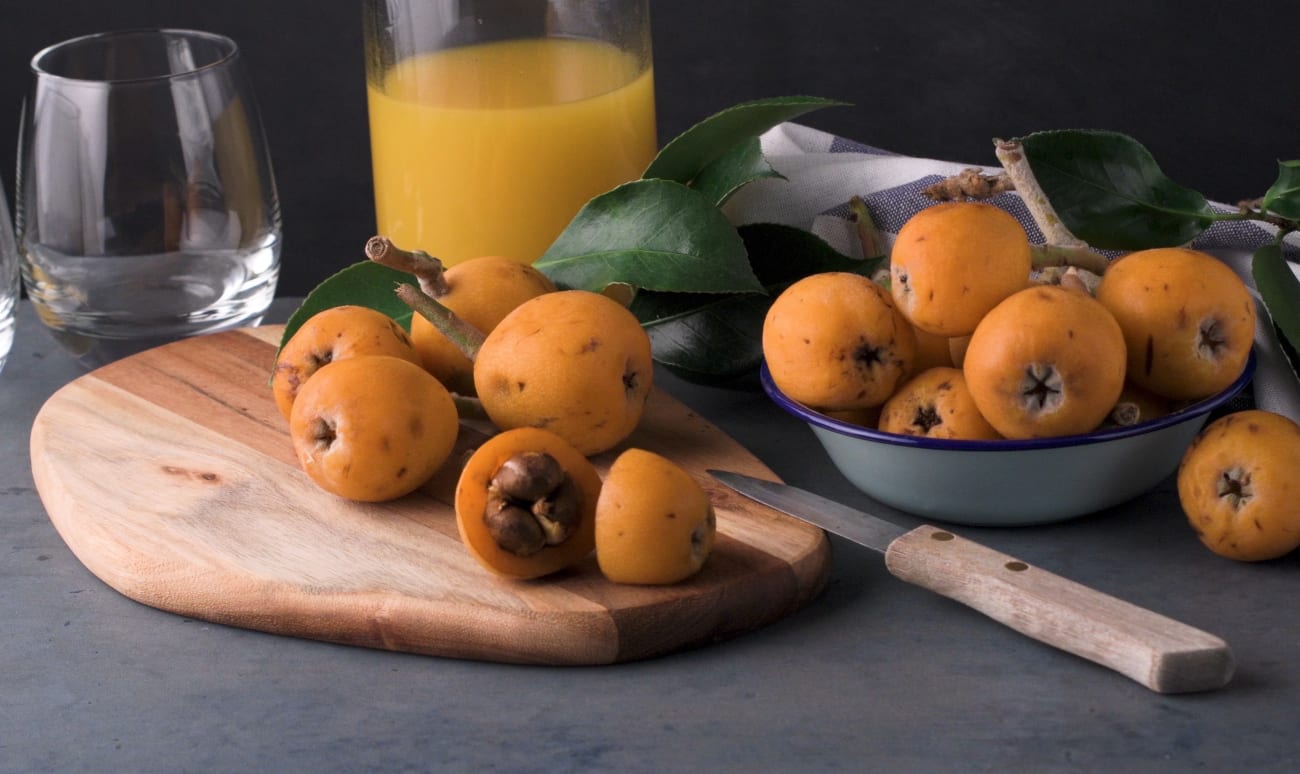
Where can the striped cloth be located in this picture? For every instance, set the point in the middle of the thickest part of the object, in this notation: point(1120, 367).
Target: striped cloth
point(823, 172)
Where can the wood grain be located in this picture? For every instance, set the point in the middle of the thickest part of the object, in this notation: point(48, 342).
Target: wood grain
point(1163, 654)
point(170, 475)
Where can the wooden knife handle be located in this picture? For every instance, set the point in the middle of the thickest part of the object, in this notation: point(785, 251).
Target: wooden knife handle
point(1158, 652)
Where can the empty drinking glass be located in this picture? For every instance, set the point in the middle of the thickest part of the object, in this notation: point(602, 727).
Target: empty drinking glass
point(146, 208)
point(8, 280)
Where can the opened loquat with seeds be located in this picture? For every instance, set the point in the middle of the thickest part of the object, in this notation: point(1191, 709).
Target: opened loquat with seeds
point(526, 504)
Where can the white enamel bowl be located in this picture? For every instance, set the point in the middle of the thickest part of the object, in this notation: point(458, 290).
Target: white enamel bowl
point(1009, 483)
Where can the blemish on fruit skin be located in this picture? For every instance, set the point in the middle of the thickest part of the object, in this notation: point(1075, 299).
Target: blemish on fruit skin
point(631, 380)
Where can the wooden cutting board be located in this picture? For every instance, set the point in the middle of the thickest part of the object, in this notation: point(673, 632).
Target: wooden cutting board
point(171, 476)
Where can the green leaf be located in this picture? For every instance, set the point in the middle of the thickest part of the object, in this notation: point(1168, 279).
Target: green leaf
point(362, 284)
point(717, 339)
point(1109, 191)
point(743, 164)
point(653, 234)
point(687, 155)
point(781, 254)
point(707, 340)
point(1283, 197)
point(1280, 290)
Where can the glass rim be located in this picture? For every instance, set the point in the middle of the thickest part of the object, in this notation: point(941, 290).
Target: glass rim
point(229, 51)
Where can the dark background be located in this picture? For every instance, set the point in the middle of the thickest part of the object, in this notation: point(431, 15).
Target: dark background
point(1207, 86)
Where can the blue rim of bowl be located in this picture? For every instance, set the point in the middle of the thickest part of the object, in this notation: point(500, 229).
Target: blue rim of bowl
point(1197, 409)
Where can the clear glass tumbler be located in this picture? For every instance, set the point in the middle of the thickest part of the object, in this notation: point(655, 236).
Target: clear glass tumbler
point(8, 280)
point(146, 208)
point(493, 121)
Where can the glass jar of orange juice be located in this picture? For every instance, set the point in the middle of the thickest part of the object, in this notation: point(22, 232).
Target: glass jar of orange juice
point(493, 121)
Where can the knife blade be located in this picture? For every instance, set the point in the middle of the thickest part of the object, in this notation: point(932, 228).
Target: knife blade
point(1158, 652)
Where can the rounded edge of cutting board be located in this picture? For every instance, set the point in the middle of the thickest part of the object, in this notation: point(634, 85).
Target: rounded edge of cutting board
point(146, 467)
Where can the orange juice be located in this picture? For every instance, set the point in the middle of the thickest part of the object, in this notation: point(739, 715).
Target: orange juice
point(491, 149)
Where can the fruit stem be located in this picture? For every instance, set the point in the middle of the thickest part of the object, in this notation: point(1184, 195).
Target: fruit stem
point(1253, 209)
point(970, 183)
point(1017, 168)
point(872, 244)
point(427, 269)
point(1126, 414)
point(1080, 256)
point(466, 337)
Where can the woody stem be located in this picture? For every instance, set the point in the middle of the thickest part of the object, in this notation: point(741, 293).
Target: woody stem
point(466, 337)
point(427, 269)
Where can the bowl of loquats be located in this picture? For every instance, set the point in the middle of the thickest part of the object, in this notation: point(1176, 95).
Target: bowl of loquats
point(1005, 482)
point(965, 393)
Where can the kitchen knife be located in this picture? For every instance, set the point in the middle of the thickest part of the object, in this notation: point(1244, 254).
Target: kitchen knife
point(1163, 654)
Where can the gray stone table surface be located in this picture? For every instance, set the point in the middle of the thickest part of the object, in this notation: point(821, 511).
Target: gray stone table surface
point(874, 675)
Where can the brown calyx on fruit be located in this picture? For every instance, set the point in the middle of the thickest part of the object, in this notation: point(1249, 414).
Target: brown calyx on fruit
point(1234, 487)
point(631, 380)
point(323, 433)
point(531, 504)
point(1042, 388)
point(868, 356)
point(1211, 341)
point(926, 419)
